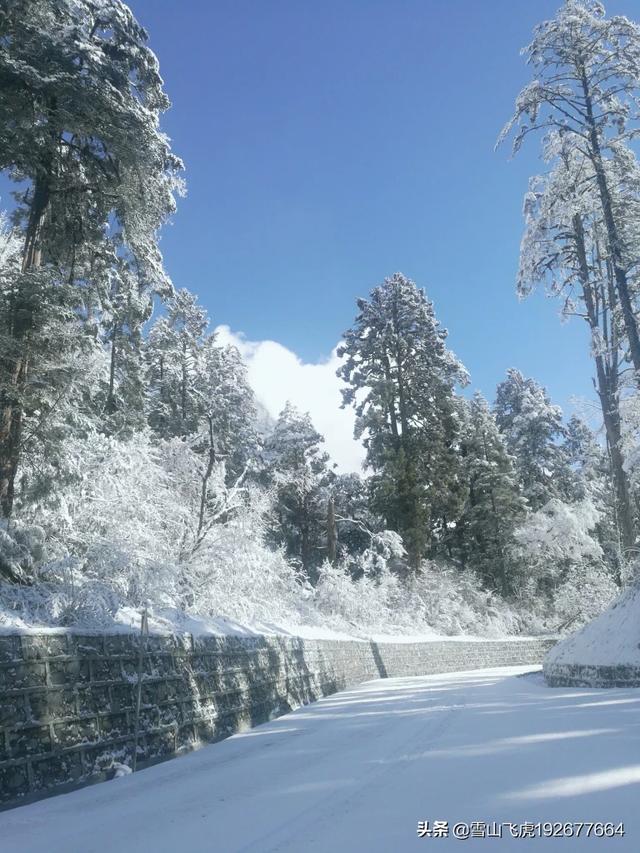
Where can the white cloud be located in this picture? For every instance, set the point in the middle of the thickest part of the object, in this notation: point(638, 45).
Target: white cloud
point(277, 374)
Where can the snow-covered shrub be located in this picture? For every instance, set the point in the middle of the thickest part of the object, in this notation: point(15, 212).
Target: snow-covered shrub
point(21, 547)
point(586, 593)
point(453, 601)
point(563, 579)
point(367, 603)
point(385, 551)
point(124, 531)
point(558, 536)
point(440, 598)
point(234, 573)
point(129, 525)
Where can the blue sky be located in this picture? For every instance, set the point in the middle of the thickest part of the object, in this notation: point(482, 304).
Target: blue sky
point(330, 144)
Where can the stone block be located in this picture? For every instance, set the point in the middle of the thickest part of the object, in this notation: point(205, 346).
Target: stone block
point(121, 644)
point(31, 740)
point(129, 669)
point(206, 730)
point(100, 759)
point(149, 719)
point(10, 649)
point(12, 711)
point(98, 700)
point(43, 646)
point(192, 710)
point(86, 645)
point(57, 770)
point(115, 725)
point(161, 643)
point(105, 670)
point(14, 782)
point(170, 715)
point(77, 732)
point(159, 665)
point(43, 706)
point(160, 744)
point(153, 692)
point(124, 696)
point(69, 672)
point(19, 676)
point(185, 737)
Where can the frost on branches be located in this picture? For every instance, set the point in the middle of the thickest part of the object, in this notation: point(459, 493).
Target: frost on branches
point(213, 518)
point(137, 469)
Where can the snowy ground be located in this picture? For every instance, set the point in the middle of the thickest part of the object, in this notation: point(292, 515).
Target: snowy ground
point(358, 770)
point(173, 621)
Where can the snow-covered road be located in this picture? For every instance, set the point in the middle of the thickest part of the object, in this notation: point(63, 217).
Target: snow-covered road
point(358, 770)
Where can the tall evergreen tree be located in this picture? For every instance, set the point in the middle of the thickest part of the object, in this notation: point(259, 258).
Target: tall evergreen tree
point(231, 403)
point(66, 377)
point(80, 100)
point(174, 358)
point(494, 506)
point(564, 247)
point(400, 378)
point(195, 386)
point(587, 88)
point(533, 432)
point(355, 521)
point(592, 479)
point(297, 468)
point(124, 305)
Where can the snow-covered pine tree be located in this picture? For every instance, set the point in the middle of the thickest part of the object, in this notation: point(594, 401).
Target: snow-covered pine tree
point(564, 248)
point(533, 431)
point(190, 379)
point(400, 378)
point(65, 370)
point(174, 356)
point(586, 89)
point(297, 469)
point(584, 457)
point(80, 100)
point(495, 505)
point(125, 305)
point(232, 405)
point(355, 521)
point(592, 479)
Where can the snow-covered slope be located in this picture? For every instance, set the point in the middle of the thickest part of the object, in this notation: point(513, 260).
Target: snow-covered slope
point(609, 646)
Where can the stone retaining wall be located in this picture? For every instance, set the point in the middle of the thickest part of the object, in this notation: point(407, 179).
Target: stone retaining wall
point(67, 701)
point(582, 675)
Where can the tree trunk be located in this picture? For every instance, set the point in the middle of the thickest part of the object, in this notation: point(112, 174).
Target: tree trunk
point(607, 388)
point(391, 407)
point(111, 398)
point(183, 389)
point(332, 532)
point(204, 488)
point(15, 367)
point(613, 235)
point(305, 537)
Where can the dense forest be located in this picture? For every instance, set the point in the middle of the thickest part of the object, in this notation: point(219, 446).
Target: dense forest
point(137, 467)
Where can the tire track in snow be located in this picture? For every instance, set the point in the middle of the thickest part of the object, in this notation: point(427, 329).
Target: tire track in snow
point(321, 811)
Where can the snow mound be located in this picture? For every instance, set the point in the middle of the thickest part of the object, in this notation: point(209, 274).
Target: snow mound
point(612, 639)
